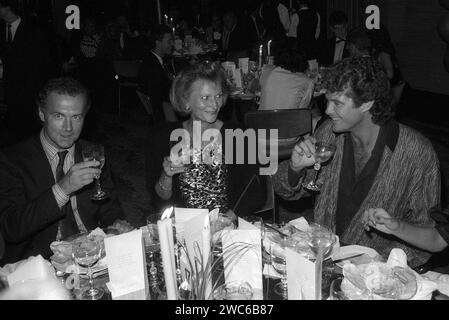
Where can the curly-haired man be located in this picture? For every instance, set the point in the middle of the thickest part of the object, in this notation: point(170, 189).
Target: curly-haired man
point(378, 163)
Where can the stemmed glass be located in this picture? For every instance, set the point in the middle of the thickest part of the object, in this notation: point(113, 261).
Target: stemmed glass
point(152, 247)
point(279, 261)
point(321, 241)
point(86, 253)
point(96, 152)
point(323, 152)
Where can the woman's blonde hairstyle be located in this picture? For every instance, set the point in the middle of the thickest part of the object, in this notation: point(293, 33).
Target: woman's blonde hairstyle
point(182, 85)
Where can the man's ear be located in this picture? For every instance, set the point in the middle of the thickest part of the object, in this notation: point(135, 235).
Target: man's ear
point(41, 115)
point(365, 107)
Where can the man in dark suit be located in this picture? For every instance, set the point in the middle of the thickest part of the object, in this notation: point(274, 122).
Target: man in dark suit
point(236, 38)
point(335, 49)
point(26, 60)
point(307, 29)
point(157, 73)
point(45, 186)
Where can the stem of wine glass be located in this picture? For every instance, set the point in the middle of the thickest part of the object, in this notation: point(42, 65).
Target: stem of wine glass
point(91, 279)
point(315, 175)
point(318, 272)
point(97, 185)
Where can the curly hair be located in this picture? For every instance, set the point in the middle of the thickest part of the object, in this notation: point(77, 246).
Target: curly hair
point(63, 86)
point(362, 79)
point(182, 85)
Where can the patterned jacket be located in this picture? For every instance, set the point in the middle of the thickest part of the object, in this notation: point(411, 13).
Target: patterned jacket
point(407, 185)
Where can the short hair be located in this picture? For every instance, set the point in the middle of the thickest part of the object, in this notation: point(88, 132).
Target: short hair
point(158, 33)
point(362, 79)
point(291, 59)
point(12, 4)
point(62, 86)
point(182, 85)
point(337, 18)
point(360, 39)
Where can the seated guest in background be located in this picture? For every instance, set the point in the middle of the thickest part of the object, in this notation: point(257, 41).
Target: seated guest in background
point(384, 52)
point(432, 238)
point(335, 49)
point(109, 46)
point(287, 86)
point(235, 38)
point(185, 29)
point(307, 29)
point(378, 163)
point(156, 74)
point(199, 91)
point(358, 44)
point(45, 185)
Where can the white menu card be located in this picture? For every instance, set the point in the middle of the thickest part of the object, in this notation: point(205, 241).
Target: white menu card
point(242, 258)
point(126, 266)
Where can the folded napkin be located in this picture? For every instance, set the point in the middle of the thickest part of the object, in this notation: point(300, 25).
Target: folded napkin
point(358, 279)
point(442, 281)
point(31, 269)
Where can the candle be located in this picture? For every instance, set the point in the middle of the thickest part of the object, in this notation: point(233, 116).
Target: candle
point(269, 48)
point(174, 31)
point(171, 22)
point(260, 56)
point(164, 239)
point(166, 19)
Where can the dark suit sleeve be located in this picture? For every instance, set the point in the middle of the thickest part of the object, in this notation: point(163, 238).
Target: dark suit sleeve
point(157, 147)
point(21, 219)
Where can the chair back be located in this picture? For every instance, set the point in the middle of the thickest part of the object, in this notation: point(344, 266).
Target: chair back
point(146, 102)
point(127, 68)
point(291, 125)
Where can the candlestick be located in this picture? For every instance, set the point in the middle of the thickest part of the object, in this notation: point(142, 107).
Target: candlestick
point(166, 19)
point(269, 48)
point(174, 31)
point(171, 22)
point(260, 56)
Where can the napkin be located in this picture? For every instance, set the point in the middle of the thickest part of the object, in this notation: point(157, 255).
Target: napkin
point(32, 269)
point(352, 250)
point(300, 224)
point(442, 281)
point(397, 258)
point(300, 276)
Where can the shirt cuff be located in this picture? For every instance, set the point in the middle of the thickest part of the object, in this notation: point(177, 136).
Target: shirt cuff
point(295, 179)
point(60, 196)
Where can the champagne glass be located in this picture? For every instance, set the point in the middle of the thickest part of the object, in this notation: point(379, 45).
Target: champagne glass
point(86, 253)
point(96, 152)
point(321, 241)
point(323, 152)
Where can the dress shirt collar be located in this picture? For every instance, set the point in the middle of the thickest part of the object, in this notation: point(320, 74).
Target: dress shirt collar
point(14, 26)
point(159, 58)
point(50, 150)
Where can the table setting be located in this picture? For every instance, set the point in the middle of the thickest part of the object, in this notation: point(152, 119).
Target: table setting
point(202, 255)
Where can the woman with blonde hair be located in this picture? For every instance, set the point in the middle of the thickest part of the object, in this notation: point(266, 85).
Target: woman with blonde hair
point(203, 179)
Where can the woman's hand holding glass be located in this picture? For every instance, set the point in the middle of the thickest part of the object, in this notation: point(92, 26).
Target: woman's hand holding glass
point(171, 168)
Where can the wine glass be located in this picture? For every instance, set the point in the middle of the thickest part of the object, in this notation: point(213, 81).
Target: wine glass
point(96, 152)
point(323, 152)
point(321, 241)
point(335, 291)
point(279, 261)
point(86, 253)
point(152, 247)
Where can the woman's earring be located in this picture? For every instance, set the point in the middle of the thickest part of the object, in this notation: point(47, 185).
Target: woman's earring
point(187, 108)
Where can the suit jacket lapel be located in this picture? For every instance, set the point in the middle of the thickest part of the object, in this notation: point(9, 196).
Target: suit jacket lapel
point(39, 161)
